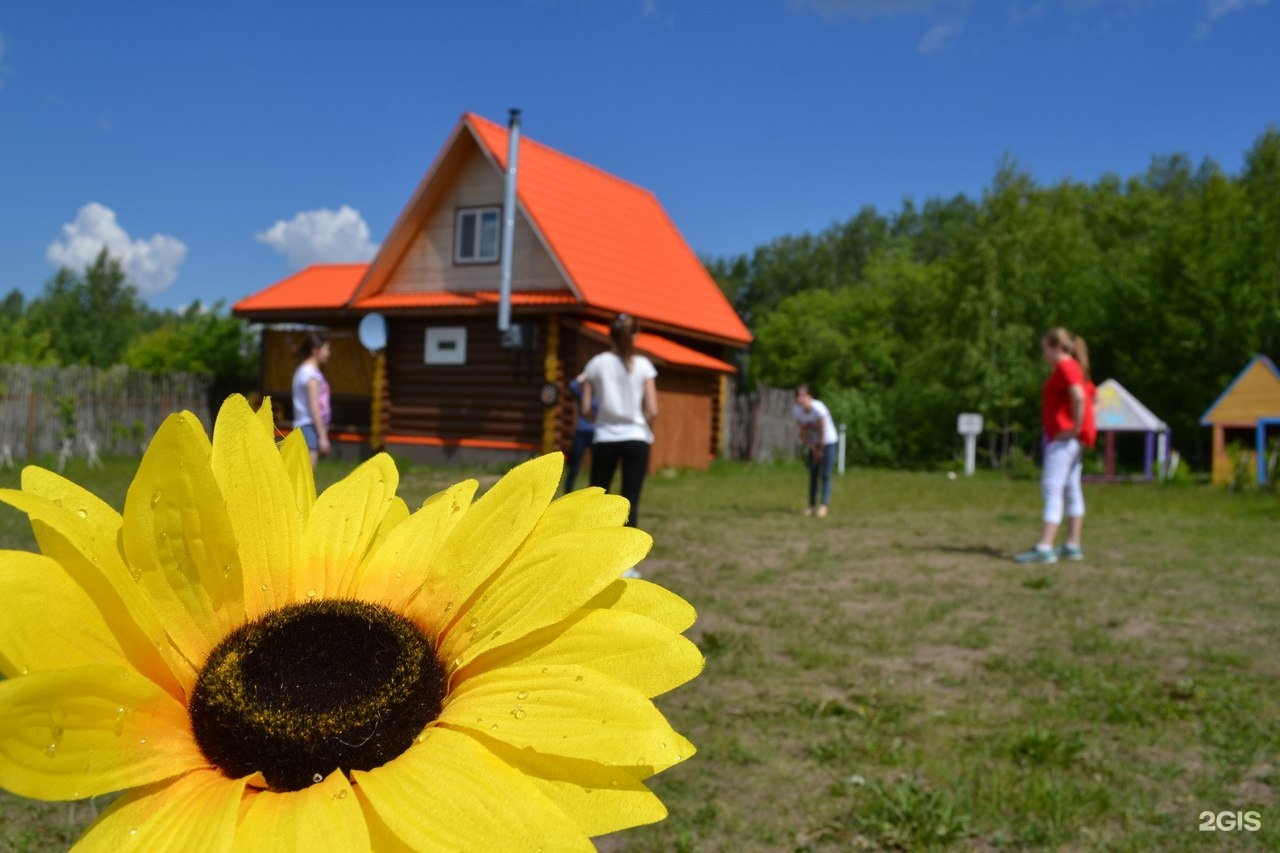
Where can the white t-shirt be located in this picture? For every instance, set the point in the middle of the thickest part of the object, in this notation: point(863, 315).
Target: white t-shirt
point(621, 396)
point(301, 408)
point(818, 413)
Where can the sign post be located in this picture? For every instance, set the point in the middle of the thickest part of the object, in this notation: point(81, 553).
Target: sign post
point(969, 425)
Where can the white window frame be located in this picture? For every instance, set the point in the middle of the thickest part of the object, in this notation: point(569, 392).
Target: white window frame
point(445, 345)
point(476, 214)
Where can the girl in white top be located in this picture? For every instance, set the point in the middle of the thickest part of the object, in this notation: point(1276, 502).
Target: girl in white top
point(311, 406)
point(623, 383)
point(818, 432)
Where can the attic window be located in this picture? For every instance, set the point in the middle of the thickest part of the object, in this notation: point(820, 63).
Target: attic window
point(476, 235)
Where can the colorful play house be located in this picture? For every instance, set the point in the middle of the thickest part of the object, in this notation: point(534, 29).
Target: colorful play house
point(451, 381)
point(1243, 414)
point(1117, 411)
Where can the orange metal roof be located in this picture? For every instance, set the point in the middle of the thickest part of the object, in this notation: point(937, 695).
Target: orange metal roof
point(614, 239)
point(316, 287)
point(666, 350)
point(476, 299)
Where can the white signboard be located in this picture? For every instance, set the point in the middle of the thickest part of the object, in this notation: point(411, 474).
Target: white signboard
point(969, 424)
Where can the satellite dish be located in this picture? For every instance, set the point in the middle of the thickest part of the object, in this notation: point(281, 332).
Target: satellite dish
point(372, 332)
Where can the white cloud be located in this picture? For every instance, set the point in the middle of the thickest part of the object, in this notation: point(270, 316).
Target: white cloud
point(938, 34)
point(321, 236)
point(1218, 8)
point(866, 8)
point(151, 264)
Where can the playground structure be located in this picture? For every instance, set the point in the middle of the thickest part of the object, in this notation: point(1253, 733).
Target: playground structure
point(1118, 411)
point(1242, 415)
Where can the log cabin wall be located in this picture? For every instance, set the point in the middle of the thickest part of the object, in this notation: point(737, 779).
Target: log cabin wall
point(491, 399)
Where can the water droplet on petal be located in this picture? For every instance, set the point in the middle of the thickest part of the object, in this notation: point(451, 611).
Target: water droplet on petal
point(226, 571)
point(493, 727)
point(577, 678)
point(400, 574)
point(24, 671)
point(142, 741)
point(341, 795)
point(136, 574)
point(118, 728)
point(155, 499)
point(448, 605)
point(133, 831)
point(613, 782)
point(317, 778)
point(51, 750)
point(311, 593)
point(518, 713)
point(382, 483)
point(82, 513)
point(474, 623)
point(523, 694)
point(264, 587)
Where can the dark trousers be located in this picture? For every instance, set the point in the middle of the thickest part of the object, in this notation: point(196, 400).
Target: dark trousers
point(581, 441)
point(634, 456)
point(821, 469)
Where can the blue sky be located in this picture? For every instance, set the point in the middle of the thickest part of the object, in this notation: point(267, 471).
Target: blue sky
point(217, 147)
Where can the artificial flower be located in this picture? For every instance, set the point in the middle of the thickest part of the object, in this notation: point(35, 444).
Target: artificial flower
point(258, 667)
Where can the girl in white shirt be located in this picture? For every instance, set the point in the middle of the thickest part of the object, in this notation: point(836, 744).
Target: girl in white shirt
point(311, 406)
point(622, 382)
point(818, 432)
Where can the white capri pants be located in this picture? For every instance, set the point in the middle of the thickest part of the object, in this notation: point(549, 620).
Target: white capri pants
point(1060, 481)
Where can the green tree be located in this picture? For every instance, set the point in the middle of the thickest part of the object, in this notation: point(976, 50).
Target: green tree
point(90, 318)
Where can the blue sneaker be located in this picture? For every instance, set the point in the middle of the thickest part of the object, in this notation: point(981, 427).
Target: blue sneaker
point(1071, 552)
point(1037, 555)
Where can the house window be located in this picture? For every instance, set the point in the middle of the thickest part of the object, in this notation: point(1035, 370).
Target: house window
point(476, 235)
point(446, 345)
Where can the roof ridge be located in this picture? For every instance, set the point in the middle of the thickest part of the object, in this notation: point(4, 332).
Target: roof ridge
point(524, 138)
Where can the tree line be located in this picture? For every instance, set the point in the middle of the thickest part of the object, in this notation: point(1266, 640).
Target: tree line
point(95, 317)
point(900, 321)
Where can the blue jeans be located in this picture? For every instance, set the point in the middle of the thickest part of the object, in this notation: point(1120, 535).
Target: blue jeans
point(311, 435)
point(581, 441)
point(822, 468)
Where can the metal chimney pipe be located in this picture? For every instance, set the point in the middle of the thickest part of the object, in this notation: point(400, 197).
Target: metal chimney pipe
point(508, 223)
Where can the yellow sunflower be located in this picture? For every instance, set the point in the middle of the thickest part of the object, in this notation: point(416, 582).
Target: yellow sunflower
point(261, 668)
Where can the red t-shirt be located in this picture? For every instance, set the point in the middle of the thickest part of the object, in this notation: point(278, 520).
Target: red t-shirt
point(1055, 414)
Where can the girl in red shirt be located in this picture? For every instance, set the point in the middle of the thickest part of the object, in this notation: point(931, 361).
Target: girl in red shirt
point(1067, 417)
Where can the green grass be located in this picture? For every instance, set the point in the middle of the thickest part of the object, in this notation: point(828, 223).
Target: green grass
point(888, 678)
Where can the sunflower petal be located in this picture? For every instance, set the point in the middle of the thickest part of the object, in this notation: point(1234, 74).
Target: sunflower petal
point(542, 585)
point(80, 732)
point(585, 509)
point(95, 565)
point(178, 539)
point(324, 816)
point(597, 798)
point(648, 599)
point(197, 811)
point(501, 520)
point(266, 417)
point(566, 710)
point(260, 503)
point(450, 793)
point(63, 492)
point(395, 571)
point(631, 648)
point(297, 465)
point(342, 524)
point(49, 623)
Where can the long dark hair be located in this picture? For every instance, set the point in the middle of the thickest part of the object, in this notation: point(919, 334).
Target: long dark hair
point(311, 341)
point(622, 332)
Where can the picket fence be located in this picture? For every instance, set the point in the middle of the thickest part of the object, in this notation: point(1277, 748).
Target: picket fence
point(85, 411)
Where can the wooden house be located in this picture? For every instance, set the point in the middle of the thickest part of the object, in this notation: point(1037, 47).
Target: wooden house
point(1242, 414)
point(587, 245)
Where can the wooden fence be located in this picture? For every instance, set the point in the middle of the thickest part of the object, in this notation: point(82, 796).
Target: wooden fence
point(104, 411)
point(760, 425)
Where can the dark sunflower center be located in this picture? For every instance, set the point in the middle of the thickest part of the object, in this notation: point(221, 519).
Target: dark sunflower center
point(312, 688)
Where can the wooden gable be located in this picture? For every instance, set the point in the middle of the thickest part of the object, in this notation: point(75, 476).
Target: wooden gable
point(1254, 394)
